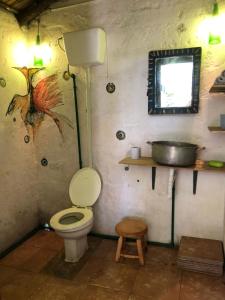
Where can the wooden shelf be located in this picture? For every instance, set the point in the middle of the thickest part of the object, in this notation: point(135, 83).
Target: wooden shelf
point(216, 129)
point(143, 161)
point(149, 162)
point(217, 88)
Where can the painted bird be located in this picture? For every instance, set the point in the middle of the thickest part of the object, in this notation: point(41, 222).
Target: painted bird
point(38, 101)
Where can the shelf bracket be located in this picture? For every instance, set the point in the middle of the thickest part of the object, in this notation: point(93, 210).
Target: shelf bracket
point(153, 177)
point(195, 179)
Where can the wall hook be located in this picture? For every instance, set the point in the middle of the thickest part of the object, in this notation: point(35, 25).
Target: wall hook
point(2, 82)
point(67, 75)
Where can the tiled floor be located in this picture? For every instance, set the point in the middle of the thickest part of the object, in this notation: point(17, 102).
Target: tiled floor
point(36, 270)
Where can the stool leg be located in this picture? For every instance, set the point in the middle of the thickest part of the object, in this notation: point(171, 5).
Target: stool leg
point(140, 252)
point(123, 246)
point(144, 245)
point(119, 247)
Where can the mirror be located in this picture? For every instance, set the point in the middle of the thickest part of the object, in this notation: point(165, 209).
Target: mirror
point(173, 81)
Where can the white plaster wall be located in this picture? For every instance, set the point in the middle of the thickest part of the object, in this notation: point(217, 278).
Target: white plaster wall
point(18, 173)
point(134, 27)
point(31, 193)
point(61, 152)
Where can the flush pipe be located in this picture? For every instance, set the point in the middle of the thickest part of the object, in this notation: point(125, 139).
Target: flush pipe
point(73, 76)
point(88, 118)
point(66, 76)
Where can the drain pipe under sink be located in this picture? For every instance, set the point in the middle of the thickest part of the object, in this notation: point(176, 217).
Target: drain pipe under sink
point(171, 195)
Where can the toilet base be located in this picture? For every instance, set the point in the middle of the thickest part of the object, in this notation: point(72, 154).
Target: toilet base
point(75, 248)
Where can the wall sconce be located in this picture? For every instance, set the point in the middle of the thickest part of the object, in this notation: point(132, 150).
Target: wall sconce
point(41, 52)
point(215, 26)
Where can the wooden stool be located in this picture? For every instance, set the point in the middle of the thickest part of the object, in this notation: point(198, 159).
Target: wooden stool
point(131, 228)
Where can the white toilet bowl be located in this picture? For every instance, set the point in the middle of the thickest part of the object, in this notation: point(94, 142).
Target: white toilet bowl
point(73, 224)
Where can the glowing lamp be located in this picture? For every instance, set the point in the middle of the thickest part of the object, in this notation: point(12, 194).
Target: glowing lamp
point(20, 54)
point(214, 31)
point(41, 52)
point(38, 60)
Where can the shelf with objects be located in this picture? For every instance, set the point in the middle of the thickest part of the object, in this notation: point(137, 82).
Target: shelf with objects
point(218, 88)
point(149, 162)
point(200, 165)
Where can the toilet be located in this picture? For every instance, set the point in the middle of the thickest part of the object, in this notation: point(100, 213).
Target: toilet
point(73, 224)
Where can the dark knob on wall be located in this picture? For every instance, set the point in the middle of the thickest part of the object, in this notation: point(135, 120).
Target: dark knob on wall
point(120, 135)
point(110, 87)
point(44, 162)
point(26, 139)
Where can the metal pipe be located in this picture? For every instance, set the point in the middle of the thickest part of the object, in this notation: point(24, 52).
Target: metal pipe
point(88, 119)
point(173, 212)
point(73, 76)
point(195, 179)
point(153, 177)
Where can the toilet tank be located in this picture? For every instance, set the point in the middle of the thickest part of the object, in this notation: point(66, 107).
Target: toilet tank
point(86, 47)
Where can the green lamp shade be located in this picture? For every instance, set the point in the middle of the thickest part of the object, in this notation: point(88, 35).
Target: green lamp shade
point(38, 61)
point(214, 36)
point(214, 39)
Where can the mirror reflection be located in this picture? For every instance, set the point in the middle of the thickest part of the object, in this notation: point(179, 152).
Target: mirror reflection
point(174, 81)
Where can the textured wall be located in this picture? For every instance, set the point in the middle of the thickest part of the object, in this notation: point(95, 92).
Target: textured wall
point(18, 173)
point(61, 153)
point(31, 193)
point(133, 28)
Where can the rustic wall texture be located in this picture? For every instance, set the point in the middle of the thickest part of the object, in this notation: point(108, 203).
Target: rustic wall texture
point(30, 192)
point(133, 28)
point(18, 184)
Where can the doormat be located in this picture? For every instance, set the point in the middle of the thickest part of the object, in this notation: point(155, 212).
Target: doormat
point(201, 255)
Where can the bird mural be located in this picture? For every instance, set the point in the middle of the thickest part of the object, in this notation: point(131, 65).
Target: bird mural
point(38, 102)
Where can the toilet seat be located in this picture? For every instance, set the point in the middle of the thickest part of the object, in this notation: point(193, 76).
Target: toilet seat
point(73, 224)
point(85, 187)
point(84, 190)
point(87, 218)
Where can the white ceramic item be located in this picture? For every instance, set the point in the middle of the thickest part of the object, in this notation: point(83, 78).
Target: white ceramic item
point(135, 152)
point(73, 224)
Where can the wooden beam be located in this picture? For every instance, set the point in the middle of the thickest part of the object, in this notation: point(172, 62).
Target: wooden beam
point(8, 8)
point(66, 4)
point(25, 16)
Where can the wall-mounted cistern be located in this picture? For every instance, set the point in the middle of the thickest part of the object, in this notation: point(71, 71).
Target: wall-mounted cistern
point(85, 48)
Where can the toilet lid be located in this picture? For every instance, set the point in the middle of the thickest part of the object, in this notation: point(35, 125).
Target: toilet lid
point(85, 187)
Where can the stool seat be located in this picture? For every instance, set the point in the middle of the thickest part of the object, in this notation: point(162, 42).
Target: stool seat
point(131, 228)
